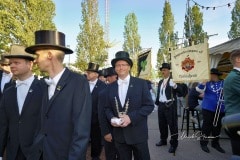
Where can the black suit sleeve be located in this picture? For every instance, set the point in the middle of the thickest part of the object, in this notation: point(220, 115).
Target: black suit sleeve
point(104, 124)
point(3, 127)
point(82, 111)
point(146, 105)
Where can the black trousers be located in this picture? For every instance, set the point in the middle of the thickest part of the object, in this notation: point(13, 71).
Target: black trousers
point(20, 155)
point(167, 117)
point(96, 140)
point(139, 151)
point(110, 151)
point(235, 146)
point(208, 128)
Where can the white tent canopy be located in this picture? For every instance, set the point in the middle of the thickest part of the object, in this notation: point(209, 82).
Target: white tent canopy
point(217, 52)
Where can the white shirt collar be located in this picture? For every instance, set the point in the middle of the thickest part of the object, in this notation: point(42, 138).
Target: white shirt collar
point(125, 79)
point(236, 68)
point(58, 76)
point(93, 82)
point(27, 81)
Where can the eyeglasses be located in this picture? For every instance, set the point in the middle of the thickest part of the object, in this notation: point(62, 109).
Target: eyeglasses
point(121, 65)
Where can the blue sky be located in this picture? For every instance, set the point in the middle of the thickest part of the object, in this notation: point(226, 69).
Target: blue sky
point(149, 16)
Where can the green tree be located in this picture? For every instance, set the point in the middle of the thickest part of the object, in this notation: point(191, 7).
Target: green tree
point(235, 26)
point(20, 19)
point(132, 39)
point(167, 37)
point(193, 26)
point(91, 46)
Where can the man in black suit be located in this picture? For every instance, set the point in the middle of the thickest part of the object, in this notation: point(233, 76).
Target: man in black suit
point(96, 86)
point(5, 73)
point(106, 127)
point(20, 107)
point(167, 108)
point(127, 107)
point(66, 113)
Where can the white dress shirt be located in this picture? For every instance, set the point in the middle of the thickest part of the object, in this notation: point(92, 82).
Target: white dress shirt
point(123, 88)
point(162, 95)
point(52, 83)
point(5, 79)
point(22, 91)
point(236, 68)
point(92, 84)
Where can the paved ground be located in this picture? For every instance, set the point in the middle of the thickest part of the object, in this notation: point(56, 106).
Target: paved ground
point(188, 149)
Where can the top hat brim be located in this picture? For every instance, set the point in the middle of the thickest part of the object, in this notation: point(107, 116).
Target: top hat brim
point(3, 63)
point(34, 48)
point(109, 74)
point(217, 73)
point(128, 60)
point(164, 67)
point(31, 58)
point(91, 70)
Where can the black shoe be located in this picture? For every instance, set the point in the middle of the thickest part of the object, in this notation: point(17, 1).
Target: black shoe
point(218, 148)
point(205, 149)
point(161, 143)
point(172, 149)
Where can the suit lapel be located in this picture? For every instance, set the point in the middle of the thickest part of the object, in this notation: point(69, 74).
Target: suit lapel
point(115, 94)
point(30, 93)
point(1, 74)
point(15, 101)
point(130, 89)
point(95, 87)
point(61, 84)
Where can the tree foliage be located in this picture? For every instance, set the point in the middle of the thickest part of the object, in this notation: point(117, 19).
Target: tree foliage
point(167, 37)
point(91, 46)
point(193, 26)
point(132, 39)
point(20, 19)
point(235, 26)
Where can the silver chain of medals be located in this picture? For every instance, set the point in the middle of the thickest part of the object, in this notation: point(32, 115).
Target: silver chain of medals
point(117, 108)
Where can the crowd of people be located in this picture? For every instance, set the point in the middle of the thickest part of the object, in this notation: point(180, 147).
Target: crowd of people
point(56, 117)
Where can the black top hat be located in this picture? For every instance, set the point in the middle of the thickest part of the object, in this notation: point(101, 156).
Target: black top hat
point(18, 51)
point(110, 71)
point(102, 72)
point(122, 55)
point(92, 67)
point(47, 39)
point(215, 71)
point(165, 65)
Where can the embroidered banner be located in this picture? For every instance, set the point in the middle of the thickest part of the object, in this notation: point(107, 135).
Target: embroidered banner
point(144, 64)
point(190, 64)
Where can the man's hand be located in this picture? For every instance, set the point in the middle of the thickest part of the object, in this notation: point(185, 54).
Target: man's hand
point(108, 137)
point(125, 120)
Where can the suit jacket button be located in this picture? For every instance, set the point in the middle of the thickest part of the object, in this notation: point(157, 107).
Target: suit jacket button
point(46, 116)
point(45, 134)
point(19, 121)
